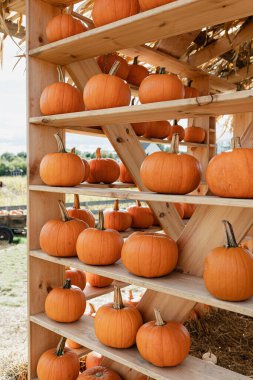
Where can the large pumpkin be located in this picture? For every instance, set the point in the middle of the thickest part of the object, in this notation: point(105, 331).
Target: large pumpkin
point(77, 277)
point(80, 213)
point(137, 73)
point(66, 304)
point(176, 128)
point(164, 344)
point(228, 270)
point(98, 246)
point(194, 134)
point(229, 174)
point(63, 26)
point(116, 325)
point(61, 168)
point(93, 359)
point(149, 254)
point(142, 217)
point(160, 88)
point(171, 173)
point(107, 11)
point(58, 363)
point(149, 4)
point(125, 176)
point(106, 91)
point(58, 237)
point(99, 373)
point(105, 62)
point(98, 281)
point(116, 219)
point(104, 170)
point(157, 129)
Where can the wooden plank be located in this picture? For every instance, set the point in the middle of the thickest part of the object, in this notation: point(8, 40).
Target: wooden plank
point(91, 292)
point(241, 123)
point(177, 45)
point(247, 136)
point(115, 185)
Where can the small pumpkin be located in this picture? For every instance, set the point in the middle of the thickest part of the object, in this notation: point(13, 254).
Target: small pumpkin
point(228, 271)
point(142, 217)
point(188, 210)
point(149, 254)
point(190, 92)
point(229, 174)
point(77, 277)
point(81, 213)
point(137, 73)
point(63, 26)
point(107, 11)
point(86, 166)
point(139, 128)
point(98, 281)
point(160, 88)
point(125, 176)
point(176, 128)
point(131, 300)
point(195, 134)
point(150, 4)
point(66, 304)
point(164, 344)
point(99, 372)
point(116, 324)
point(157, 129)
point(98, 246)
point(59, 363)
point(93, 359)
point(105, 62)
point(58, 237)
point(116, 219)
point(181, 176)
point(106, 91)
point(61, 168)
point(71, 344)
point(104, 170)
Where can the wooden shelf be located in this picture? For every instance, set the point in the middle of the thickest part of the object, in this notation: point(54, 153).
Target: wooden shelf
point(165, 21)
point(82, 332)
point(177, 284)
point(92, 292)
point(115, 185)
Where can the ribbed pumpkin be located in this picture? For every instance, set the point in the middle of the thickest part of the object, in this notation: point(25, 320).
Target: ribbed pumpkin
point(228, 271)
point(157, 129)
point(139, 128)
point(142, 217)
point(71, 344)
point(99, 373)
point(98, 246)
point(63, 26)
point(164, 344)
point(85, 164)
point(116, 219)
point(149, 4)
point(188, 210)
point(149, 254)
point(176, 128)
point(61, 168)
point(81, 213)
point(116, 325)
point(105, 62)
point(98, 281)
point(66, 304)
point(125, 176)
point(93, 359)
point(229, 174)
point(107, 11)
point(190, 92)
point(104, 170)
point(137, 73)
point(77, 277)
point(58, 363)
point(58, 237)
point(194, 134)
point(160, 88)
point(171, 173)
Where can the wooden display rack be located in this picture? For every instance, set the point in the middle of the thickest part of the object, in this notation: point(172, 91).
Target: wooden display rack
point(177, 293)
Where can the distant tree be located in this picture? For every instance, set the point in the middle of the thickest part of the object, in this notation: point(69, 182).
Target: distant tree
point(8, 156)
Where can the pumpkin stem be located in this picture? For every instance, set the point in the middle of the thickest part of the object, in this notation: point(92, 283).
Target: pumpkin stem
point(189, 83)
point(118, 302)
point(67, 284)
point(92, 309)
point(130, 294)
point(114, 68)
point(98, 153)
point(60, 74)
point(132, 101)
point(231, 240)
point(100, 225)
point(135, 62)
point(73, 151)
point(64, 213)
point(76, 204)
point(138, 203)
point(158, 318)
point(236, 142)
point(60, 144)
point(60, 347)
point(162, 70)
point(116, 205)
point(174, 122)
point(157, 70)
point(175, 143)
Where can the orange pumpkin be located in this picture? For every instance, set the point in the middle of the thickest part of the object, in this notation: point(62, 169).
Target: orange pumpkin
point(229, 174)
point(93, 359)
point(99, 372)
point(85, 164)
point(66, 304)
point(139, 128)
point(116, 325)
point(71, 344)
point(116, 219)
point(142, 217)
point(125, 176)
point(63, 26)
point(160, 88)
point(228, 271)
point(104, 170)
point(194, 134)
point(149, 4)
point(149, 254)
point(107, 11)
point(58, 237)
point(58, 364)
point(188, 210)
point(77, 277)
point(164, 344)
point(176, 128)
point(61, 168)
point(182, 174)
point(98, 246)
point(137, 73)
point(190, 92)
point(157, 129)
point(82, 214)
point(105, 62)
point(98, 281)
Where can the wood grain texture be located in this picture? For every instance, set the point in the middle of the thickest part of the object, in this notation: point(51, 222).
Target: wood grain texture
point(177, 45)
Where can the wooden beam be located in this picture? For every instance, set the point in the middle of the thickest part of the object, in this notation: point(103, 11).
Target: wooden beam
point(241, 74)
point(177, 45)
